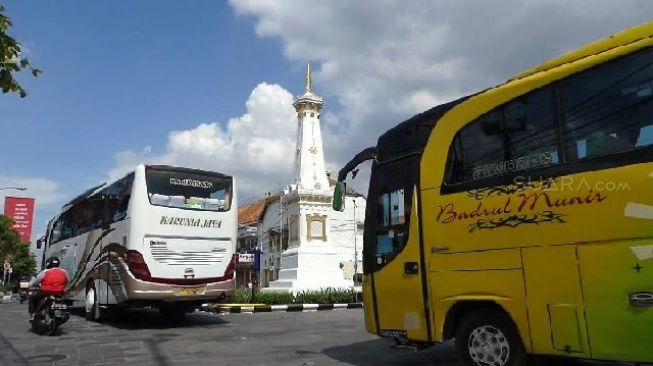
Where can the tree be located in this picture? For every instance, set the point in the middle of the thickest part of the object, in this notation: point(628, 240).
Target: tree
point(22, 261)
point(10, 59)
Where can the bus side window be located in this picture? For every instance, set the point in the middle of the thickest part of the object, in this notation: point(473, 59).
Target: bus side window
point(518, 135)
point(86, 216)
point(124, 197)
point(55, 236)
point(61, 229)
point(609, 109)
point(454, 168)
point(119, 194)
point(391, 233)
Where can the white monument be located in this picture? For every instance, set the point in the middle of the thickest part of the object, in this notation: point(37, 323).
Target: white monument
point(312, 261)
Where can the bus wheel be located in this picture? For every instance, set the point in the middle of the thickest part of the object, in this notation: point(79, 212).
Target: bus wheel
point(489, 338)
point(91, 308)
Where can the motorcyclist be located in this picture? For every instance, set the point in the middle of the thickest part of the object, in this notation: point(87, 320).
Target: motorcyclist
point(51, 281)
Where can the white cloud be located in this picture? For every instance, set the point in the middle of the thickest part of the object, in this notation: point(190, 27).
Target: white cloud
point(387, 60)
point(125, 161)
point(381, 62)
point(257, 147)
point(45, 191)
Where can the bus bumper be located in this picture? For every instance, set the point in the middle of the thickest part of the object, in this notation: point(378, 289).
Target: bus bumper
point(141, 290)
point(136, 289)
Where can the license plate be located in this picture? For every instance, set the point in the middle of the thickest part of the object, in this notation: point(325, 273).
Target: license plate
point(58, 313)
point(186, 291)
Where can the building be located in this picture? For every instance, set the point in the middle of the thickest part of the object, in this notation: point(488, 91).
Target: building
point(249, 224)
point(304, 243)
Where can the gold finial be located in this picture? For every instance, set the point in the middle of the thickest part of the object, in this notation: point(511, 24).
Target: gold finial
point(308, 87)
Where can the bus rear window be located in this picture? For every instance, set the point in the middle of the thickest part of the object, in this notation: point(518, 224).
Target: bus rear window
point(181, 189)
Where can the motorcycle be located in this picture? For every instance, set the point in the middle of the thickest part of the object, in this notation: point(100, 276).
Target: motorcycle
point(22, 295)
point(51, 312)
point(23, 290)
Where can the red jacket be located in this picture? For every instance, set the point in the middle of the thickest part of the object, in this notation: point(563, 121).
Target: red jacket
point(54, 281)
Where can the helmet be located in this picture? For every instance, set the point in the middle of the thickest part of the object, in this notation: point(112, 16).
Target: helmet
point(52, 262)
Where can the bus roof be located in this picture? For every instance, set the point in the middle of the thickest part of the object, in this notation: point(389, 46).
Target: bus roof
point(84, 195)
point(625, 37)
point(89, 192)
point(410, 136)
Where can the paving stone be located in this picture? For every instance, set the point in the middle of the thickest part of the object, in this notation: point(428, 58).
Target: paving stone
point(143, 338)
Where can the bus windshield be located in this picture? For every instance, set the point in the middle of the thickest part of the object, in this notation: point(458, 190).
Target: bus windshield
point(187, 189)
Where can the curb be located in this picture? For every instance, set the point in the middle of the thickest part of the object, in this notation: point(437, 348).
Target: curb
point(231, 309)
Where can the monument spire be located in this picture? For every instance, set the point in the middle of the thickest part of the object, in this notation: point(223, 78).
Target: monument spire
point(308, 87)
point(310, 171)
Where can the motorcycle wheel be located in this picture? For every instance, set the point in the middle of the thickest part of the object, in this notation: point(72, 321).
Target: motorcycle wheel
point(39, 325)
point(52, 327)
point(35, 325)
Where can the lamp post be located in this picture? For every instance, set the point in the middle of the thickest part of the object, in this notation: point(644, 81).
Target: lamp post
point(355, 244)
point(13, 188)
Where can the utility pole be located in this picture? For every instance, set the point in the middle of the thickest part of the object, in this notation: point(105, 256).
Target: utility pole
point(281, 222)
point(355, 244)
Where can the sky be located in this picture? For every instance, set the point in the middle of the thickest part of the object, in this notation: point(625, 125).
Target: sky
point(210, 84)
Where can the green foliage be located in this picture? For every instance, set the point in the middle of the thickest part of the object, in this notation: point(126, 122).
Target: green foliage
point(22, 261)
point(325, 296)
point(241, 296)
point(11, 60)
point(273, 298)
point(322, 296)
point(312, 297)
point(342, 296)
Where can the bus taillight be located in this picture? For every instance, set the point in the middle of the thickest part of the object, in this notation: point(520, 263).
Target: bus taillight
point(137, 265)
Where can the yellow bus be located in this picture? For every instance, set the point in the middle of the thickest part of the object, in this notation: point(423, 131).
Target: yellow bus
point(519, 220)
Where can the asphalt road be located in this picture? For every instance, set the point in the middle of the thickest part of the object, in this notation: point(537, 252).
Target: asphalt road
point(308, 338)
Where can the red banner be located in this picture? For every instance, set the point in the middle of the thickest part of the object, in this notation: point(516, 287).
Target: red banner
point(21, 210)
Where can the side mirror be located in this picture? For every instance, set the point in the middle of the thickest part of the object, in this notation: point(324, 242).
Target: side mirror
point(339, 195)
point(39, 244)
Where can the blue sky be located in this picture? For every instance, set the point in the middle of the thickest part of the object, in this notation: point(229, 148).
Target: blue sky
point(210, 84)
point(119, 75)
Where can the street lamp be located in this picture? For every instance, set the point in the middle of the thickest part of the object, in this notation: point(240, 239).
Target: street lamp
point(355, 244)
point(14, 188)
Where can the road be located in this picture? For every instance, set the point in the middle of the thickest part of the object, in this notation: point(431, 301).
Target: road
point(306, 338)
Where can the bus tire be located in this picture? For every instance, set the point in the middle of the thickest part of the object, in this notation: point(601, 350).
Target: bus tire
point(92, 310)
point(489, 338)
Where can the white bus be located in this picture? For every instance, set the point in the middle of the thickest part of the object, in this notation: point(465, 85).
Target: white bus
point(161, 236)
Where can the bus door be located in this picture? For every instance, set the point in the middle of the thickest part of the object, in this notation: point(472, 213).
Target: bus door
point(392, 255)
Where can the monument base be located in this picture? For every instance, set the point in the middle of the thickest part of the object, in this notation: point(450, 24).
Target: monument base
point(309, 267)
